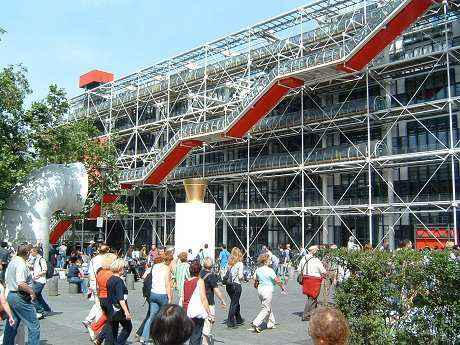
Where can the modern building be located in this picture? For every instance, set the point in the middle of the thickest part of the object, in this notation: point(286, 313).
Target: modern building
point(336, 118)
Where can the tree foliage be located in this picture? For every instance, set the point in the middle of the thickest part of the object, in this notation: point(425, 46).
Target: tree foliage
point(36, 136)
point(405, 297)
point(15, 159)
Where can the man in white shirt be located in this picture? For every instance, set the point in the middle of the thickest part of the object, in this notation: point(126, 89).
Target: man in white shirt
point(312, 266)
point(39, 281)
point(20, 296)
point(62, 255)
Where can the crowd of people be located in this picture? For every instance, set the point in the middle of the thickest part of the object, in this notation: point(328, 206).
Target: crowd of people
point(182, 290)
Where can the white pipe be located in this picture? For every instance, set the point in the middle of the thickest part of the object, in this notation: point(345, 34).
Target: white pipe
point(55, 187)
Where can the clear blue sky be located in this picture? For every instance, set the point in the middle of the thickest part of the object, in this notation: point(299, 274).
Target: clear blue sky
point(60, 40)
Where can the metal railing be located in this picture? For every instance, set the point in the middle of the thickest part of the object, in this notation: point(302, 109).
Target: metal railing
point(285, 68)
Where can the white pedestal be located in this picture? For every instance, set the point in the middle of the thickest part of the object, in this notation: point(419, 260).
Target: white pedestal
point(195, 226)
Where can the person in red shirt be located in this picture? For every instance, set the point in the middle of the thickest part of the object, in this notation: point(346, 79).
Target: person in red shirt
point(192, 283)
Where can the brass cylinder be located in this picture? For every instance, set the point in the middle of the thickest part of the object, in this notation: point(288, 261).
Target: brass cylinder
point(195, 190)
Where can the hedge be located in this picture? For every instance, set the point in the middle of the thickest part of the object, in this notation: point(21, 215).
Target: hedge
point(402, 297)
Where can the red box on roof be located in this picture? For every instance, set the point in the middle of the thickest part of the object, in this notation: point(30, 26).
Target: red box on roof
point(95, 76)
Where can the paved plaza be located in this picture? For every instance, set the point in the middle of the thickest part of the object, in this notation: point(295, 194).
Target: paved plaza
point(64, 327)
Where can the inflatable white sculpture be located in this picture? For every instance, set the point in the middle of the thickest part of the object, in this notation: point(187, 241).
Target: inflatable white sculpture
point(32, 204)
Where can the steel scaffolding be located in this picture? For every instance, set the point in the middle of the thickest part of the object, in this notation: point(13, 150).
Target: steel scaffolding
point(337, 156)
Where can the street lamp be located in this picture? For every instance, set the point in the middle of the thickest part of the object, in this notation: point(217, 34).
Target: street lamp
point(103, 169)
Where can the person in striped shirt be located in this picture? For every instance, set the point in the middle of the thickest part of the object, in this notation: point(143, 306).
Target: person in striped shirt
point(181, 273)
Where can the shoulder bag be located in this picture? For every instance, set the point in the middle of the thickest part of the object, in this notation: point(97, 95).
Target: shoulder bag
point(300, 275)
point(195, 307)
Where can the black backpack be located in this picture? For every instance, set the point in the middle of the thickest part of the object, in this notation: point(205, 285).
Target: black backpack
point(147, 286)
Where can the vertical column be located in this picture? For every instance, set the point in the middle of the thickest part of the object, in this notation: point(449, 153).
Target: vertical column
point(388, 219)
point(153, 223)
point(165, 195)
point(390, 87)
point(326, 235)
point(302, 166)
point(368, 159)
point(224, 206)
point(452, 139)
point(248, 181)
point(271, 202)
point(324, 230)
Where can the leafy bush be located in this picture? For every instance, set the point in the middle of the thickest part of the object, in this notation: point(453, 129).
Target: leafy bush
point(404, 297)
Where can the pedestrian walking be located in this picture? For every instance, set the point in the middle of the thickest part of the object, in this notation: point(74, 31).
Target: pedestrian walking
point(195, 303)
point(103, 259)
point(38, 282)
point(19, 340)
point(104, 273)
point(233, 288)
point(62, 255)
point(212, 289)
point(18, 281)
point(99, 273)
point(312, 270)
point(161, 293)
point(224, 256)
point(265, 280)
point(181, 273)
point(4, 260)
point(117, 308)
point(146, 290)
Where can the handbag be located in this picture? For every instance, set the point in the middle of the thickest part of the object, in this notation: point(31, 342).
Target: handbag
point(99, 324)
point(227, 278)
point(300, 275)
point(195, 307)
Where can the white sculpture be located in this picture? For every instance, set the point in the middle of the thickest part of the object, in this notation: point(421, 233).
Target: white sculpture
point(32, 203)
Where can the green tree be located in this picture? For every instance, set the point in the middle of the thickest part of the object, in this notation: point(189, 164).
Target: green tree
point(15, 159)
point(31, 138)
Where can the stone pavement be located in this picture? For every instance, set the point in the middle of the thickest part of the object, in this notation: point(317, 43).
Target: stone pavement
point(64, 327)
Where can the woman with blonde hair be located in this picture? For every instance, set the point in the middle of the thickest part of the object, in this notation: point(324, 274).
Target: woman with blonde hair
point(233, 287)
point(265, 280)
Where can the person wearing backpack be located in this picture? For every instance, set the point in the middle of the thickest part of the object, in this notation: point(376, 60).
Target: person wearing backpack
point(40, 269)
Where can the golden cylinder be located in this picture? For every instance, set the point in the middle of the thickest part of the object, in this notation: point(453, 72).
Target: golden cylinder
point(195, 190)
